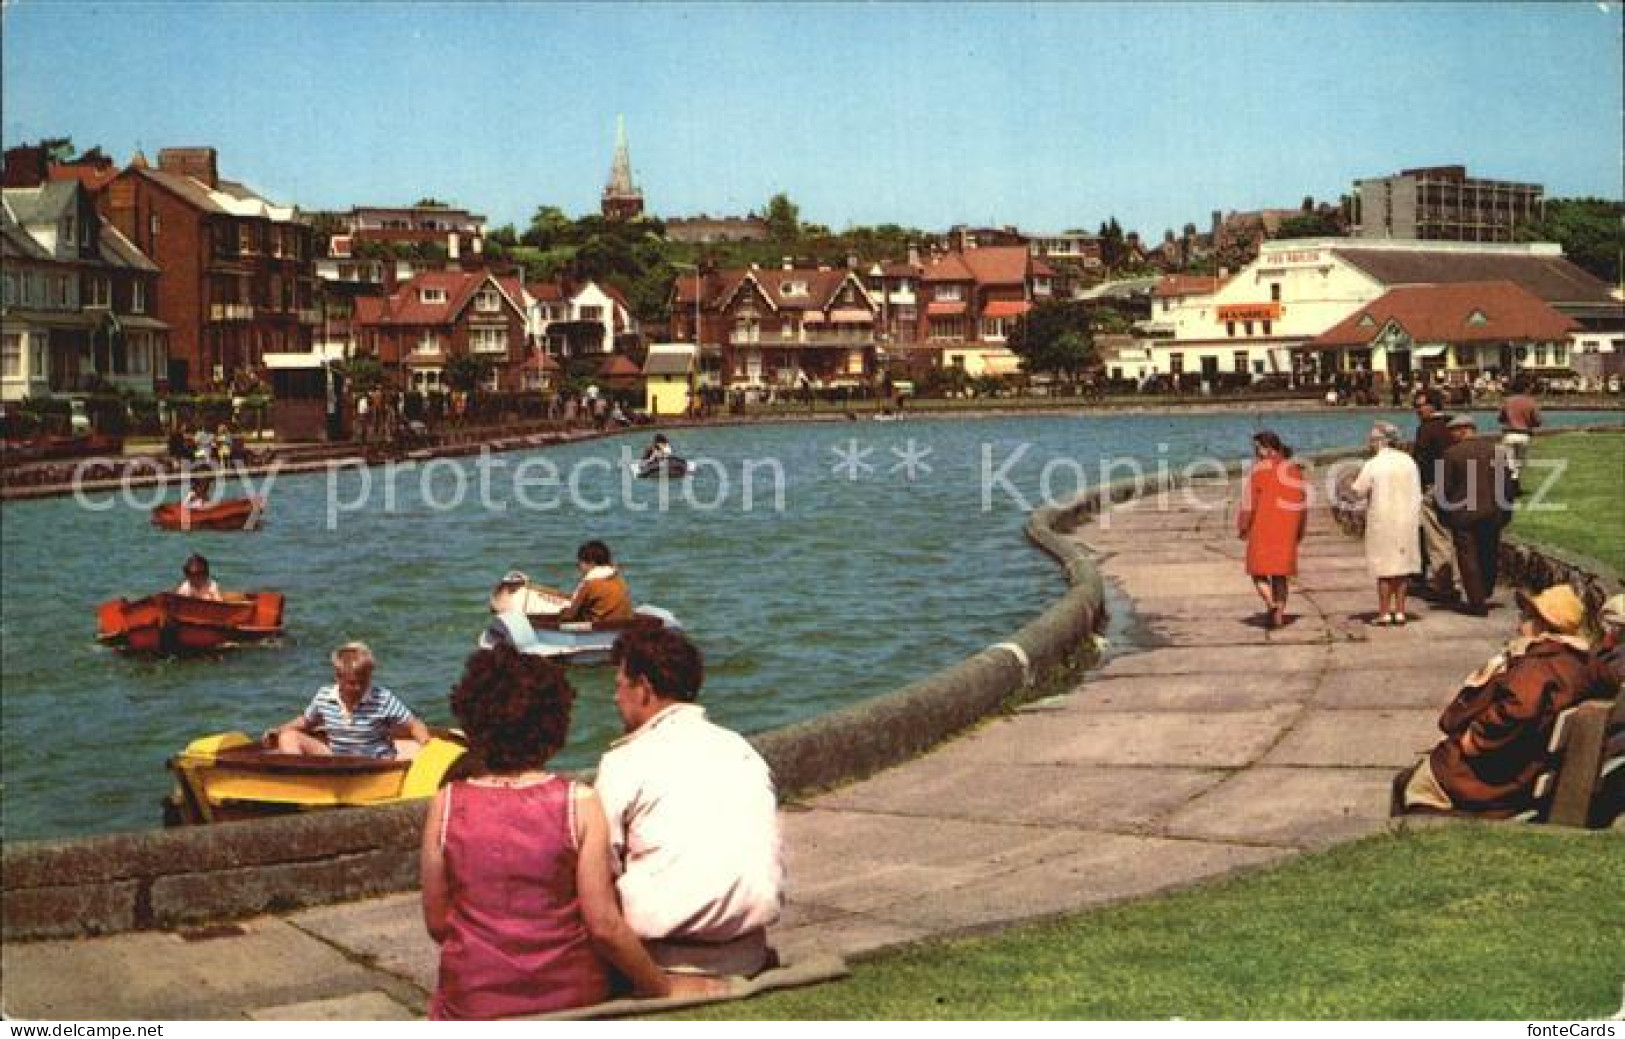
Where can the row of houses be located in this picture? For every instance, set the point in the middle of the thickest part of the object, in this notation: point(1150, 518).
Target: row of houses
point(76, 296)
point(837, 326)
point(521, 331)
point(1374, 309)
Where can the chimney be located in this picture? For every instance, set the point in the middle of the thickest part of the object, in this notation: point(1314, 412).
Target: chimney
point(197, 163)
point(453, 247)
point(789, 263)
point(851, 261)
point(25, 166)
point(913, 255)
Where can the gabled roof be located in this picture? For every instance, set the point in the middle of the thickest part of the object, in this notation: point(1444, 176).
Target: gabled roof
point(987, 265)
point(120, 251)
point(227, 198)
point(1178, 286)
point(670, 362)
point(546, 291)
point(407, 306)
point(16, 243)
point(1550, 277)
point(947, 267)
point(1465, 312)
point(617, 366)
point(44, 203)
point(999, 264)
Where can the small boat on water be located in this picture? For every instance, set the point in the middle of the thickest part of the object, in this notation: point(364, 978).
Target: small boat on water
point(167, 623)
point(582, 643)
point(228, 776)
point(230, 514)
point(670, 466)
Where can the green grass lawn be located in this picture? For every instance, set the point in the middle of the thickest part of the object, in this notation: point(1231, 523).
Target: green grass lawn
point(1584, 510)
point(1470, 921)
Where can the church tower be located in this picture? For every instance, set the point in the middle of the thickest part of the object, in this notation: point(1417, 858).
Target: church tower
point(622, 199)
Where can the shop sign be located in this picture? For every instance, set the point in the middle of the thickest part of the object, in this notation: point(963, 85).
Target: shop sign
point(1249, 311)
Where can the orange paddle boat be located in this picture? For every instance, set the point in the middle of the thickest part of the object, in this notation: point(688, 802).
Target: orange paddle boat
point(231, 514)
point(176, 624)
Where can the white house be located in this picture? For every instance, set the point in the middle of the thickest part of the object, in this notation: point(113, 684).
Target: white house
point(1259, 322)
point(550, 303)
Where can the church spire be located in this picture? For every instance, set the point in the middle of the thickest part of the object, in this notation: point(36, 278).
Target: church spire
point(622, 200)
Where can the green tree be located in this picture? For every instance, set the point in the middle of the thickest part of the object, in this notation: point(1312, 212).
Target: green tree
point(1321, 224)
point(1111, 244)
point(1590, 230)
point(504, 235)
point(549, 227)
point(783, 218)
point(429, 200)
point(466, 372)
point(364, 373)
point(1057, 338)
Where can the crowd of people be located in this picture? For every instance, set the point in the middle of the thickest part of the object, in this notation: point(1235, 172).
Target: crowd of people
point(1433, 523)
point(543, 893)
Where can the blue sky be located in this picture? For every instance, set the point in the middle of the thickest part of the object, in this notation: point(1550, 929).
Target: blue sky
point(1048, 116)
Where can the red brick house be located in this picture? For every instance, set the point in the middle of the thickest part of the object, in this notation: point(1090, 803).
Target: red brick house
point(971, 300)
point(238, 276)
point(439, 315)
point(784, 327)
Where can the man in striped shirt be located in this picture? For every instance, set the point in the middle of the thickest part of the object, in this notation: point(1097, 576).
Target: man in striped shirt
point(355, 717)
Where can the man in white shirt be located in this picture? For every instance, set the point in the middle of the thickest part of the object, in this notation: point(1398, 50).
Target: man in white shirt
point(693, 817)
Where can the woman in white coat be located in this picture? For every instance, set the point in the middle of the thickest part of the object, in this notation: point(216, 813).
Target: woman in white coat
point(1391, 485)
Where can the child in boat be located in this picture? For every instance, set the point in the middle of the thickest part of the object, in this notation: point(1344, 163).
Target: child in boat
point(658, 448)
point(358, 718)
point(515, 864)
point(198, 495)
point(197, 583)
point(602, 594)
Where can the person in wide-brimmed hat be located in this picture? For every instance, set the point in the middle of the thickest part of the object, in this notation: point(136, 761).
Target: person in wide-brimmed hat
point(1497, 728)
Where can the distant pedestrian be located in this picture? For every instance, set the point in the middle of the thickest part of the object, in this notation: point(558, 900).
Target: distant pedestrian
point(1272, 518)
point(1392, 488)
point(1520, 416)
point(1476, 504)
point(1428, 448)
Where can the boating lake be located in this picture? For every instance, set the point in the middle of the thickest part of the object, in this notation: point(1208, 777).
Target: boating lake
point(852, 588)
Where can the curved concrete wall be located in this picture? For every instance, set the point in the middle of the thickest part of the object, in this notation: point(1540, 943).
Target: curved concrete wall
point(180, 877)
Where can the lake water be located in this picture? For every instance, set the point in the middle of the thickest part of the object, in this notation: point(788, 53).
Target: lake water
point(852, 588)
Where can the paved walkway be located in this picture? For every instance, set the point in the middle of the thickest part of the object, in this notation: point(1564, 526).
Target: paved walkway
point(1214, 746)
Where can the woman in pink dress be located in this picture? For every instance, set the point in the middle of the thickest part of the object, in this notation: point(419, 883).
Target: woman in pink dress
point(515, 862)
point(1271, 521)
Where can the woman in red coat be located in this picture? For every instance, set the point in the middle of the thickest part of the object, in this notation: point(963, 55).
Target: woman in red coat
point(1271, 521)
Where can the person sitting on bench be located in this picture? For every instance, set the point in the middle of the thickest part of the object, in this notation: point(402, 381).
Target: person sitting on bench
point(1498, 726)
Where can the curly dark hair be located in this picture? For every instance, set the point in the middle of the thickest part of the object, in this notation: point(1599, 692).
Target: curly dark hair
point(514, 707)
point(672, 664)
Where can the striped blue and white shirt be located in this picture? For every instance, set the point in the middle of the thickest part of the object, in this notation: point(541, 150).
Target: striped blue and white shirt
point(364, 732)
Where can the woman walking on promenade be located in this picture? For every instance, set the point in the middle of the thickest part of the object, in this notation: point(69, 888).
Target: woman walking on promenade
point(1391, 485)
point(515, 863)
point(1271, 521)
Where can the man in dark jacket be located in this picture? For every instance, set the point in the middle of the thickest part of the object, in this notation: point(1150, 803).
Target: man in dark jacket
point(1439, 551)
point(1474, 499)
point(1497, 728)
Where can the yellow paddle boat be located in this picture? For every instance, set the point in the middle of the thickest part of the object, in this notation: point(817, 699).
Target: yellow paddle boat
point(229, 776)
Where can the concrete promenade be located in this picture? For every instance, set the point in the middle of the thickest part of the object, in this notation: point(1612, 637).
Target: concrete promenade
point(1210, 745)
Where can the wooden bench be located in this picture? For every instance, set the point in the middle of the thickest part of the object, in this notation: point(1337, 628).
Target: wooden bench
point(1588, 749)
